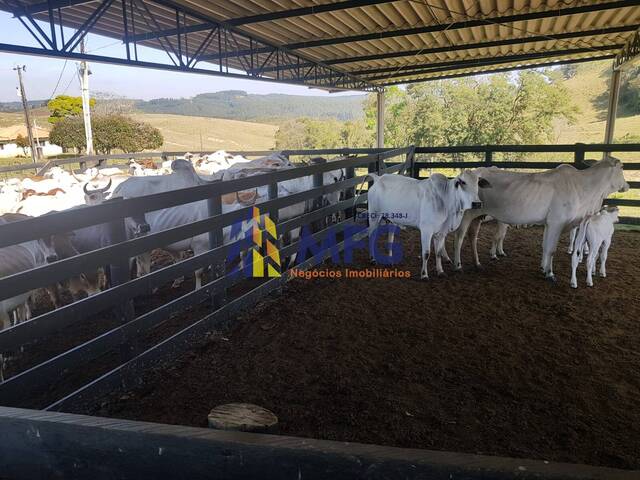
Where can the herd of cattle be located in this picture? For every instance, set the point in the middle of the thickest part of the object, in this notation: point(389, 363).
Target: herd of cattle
point(60, 190)
point(561, 199)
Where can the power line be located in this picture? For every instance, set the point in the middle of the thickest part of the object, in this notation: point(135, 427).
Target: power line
point(58, 82)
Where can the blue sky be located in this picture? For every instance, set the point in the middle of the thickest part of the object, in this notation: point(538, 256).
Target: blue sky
point(42, 73)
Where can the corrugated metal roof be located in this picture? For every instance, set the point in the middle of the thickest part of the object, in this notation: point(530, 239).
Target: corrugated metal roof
point(383, 42)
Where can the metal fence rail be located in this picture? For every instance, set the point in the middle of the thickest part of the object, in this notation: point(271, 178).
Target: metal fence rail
point(134, 356)
point(579, 151)
point(38, 378)
point(377, 160)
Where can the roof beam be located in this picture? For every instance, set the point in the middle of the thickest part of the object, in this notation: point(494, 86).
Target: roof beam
point(454, 64)
point(495, 43)
point(263, 17)
point(470, 46)
point(629, 52)
point(299, 12)
point(464, 24)
point(54, 4)
point(343, 76)
point(499, 70)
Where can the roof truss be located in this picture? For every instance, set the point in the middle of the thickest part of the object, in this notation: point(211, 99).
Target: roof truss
point(629, 52)
point(365, 55)
point(441, 27)
point(219, 41)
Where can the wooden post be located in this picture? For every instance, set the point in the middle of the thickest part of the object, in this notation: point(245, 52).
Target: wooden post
point(243, 417)
point(612, 110)
point(380, 119)
point(488, 157)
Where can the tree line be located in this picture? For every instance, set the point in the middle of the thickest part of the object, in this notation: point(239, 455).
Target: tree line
point(497, 109)
point(240, 105)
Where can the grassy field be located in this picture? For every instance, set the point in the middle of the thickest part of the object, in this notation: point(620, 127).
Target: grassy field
point(588, 91)
point(182, 133)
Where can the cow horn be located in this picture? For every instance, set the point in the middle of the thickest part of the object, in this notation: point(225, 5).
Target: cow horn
point(96, 190)
point(74, 176)
point(104, 189)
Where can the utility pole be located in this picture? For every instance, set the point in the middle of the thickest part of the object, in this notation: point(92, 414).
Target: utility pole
point(86, 105)
point(27, 117)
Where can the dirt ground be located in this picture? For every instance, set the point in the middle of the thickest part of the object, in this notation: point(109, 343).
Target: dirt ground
point(496, 361)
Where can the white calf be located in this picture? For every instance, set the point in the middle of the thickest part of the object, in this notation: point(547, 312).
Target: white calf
point(597, 231)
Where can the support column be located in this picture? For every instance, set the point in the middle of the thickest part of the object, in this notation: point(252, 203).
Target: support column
point(614, 93)
point(380, 120)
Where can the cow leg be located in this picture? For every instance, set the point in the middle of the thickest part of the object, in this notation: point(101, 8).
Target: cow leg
point(176, 257)
point(23, 312)
point(458, 240)
point(5, 319)
point(549, 245)
point(294, 235)
point(475, 230)
point(390, 239)
point(425, 238)
point(53, 292)
point(374, 221)
point(591, 264)
point(501, 232)
point(443, 252)
point(572, 239)
point(603, 258)
point(438, 246)
point(575, 261)
point(143, 264)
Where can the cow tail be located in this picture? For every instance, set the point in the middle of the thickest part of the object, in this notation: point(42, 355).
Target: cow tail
point(581, 238)
point(373, 177)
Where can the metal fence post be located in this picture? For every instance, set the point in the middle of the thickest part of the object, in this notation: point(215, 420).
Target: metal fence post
point(120, 272)
point(408, 163)
point(216, 239)
point(318, 181)
point(274, 217)
point(350, 192)
point(488, 158)
point(578, 156)
point(372, 168)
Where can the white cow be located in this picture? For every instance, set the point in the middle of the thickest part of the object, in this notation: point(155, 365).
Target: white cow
point(37, 205)
point(259, 165)
point(597, 230)
point(183, 176)
point(9, 198)
point(558, 199)
point(435, 206)
point(216, 162)
point(16, 259)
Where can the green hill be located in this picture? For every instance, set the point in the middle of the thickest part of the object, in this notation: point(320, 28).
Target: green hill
point(240, 105)
point(589, 89)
